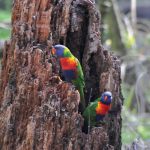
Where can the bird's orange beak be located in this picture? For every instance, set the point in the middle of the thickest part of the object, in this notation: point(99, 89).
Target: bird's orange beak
point(105, 98)
point(53, 51)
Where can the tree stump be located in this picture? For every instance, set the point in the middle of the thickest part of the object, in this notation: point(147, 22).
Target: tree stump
point(37, 109)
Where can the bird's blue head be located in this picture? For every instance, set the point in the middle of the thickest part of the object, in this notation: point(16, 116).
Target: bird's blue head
point(106, 97)
point(58, 50)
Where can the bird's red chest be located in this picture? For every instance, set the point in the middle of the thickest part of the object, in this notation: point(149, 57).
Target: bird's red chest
point(68, 63)
point(102, 109)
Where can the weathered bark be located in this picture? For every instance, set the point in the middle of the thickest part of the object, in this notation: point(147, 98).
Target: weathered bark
point(37, 109)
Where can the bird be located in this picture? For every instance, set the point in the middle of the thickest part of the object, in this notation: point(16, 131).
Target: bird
point(96, 110)
point(71, 69)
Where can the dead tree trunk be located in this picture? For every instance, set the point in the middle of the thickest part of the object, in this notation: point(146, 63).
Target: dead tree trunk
point(37, 109)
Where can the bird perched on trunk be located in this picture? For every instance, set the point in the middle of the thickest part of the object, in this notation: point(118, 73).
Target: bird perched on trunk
point(71, 69)
point(96, 111)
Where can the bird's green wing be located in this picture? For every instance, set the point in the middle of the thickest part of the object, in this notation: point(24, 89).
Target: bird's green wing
point(80, 73)
point(79, 80)
point(67, 52)
point(80, 83)
point(90, 114)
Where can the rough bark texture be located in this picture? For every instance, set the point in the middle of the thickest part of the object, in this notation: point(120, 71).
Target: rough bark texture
point(37, 109)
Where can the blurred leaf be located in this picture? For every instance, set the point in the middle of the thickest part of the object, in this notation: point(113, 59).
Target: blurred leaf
point(4, 34)
point(5, 16)
point(129, 40)
point(129, 98)
point(144, 131)
point(128, 135)
point(5, 4)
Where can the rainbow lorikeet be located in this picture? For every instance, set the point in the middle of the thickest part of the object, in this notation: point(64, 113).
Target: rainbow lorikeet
point(71, 69)
point(96, 110)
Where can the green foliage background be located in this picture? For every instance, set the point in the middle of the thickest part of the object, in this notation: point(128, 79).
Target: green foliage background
point(5, 4)
point(5, 16)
